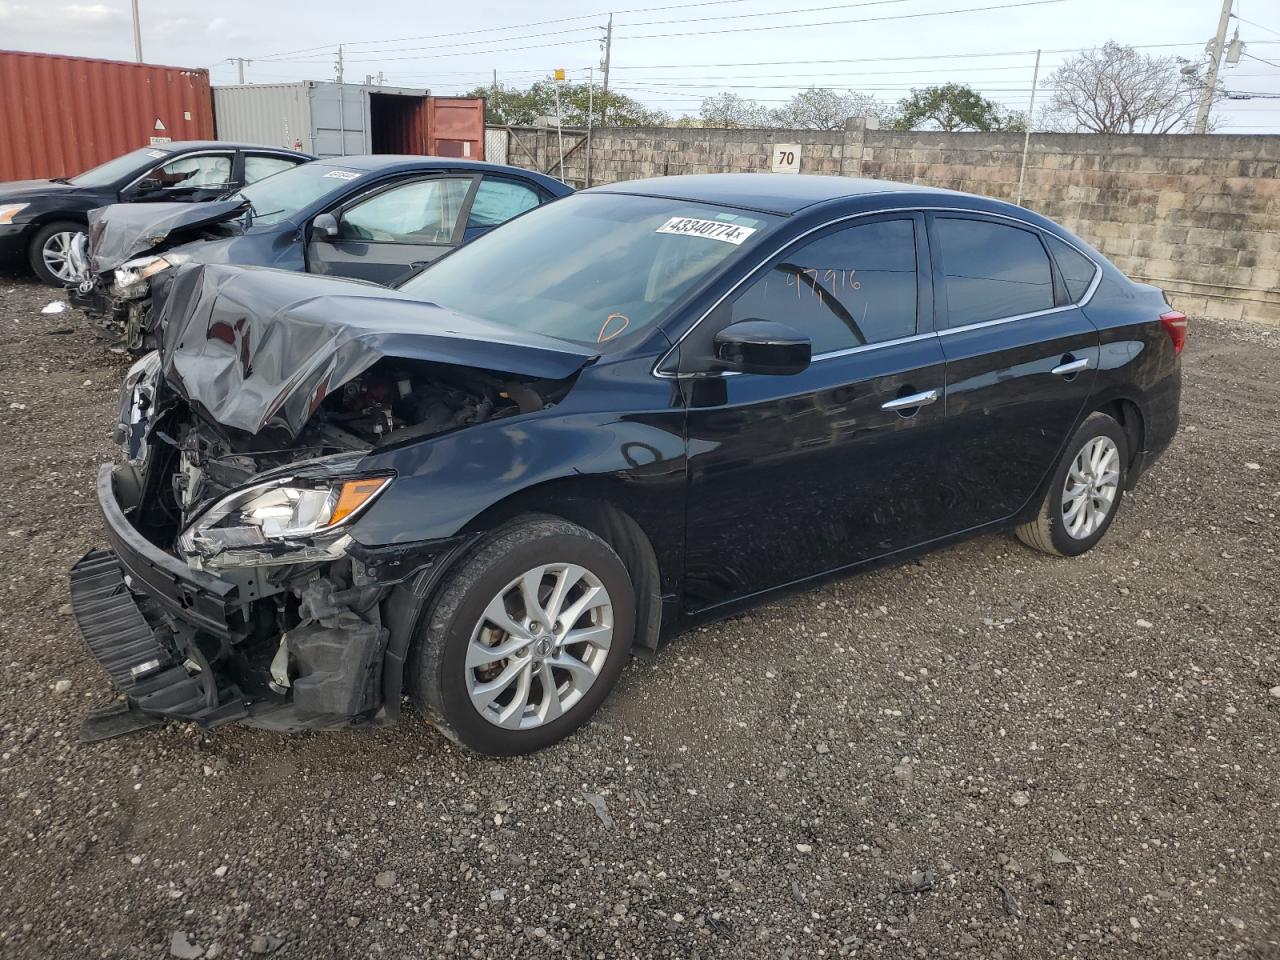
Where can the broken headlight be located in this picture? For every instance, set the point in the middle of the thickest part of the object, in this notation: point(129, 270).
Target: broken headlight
point(137, 398)
point(132, 274)
point(283, 521)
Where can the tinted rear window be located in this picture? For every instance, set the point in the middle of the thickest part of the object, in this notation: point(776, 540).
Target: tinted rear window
point(991, 270)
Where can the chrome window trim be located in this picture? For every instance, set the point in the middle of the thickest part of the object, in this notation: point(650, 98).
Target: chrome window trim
point(657, 370)
point(182, 156)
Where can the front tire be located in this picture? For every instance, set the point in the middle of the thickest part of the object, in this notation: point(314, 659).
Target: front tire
point(50, 251)
point(526, 638)
point(1084, 493)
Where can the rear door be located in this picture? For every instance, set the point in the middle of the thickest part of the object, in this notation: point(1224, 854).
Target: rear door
point(794, 476)
point(1021, 361)
point(386, 234)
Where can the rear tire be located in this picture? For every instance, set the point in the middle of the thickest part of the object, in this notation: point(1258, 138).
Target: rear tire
point(49, 249)
point(546, 683)
point(1084, 492)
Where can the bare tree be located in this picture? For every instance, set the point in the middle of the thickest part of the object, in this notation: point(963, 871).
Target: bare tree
point(1115, 89)
point(731, 110)
point(821, 108)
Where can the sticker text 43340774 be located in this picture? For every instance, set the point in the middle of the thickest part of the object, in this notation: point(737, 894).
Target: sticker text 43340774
point(707, 229)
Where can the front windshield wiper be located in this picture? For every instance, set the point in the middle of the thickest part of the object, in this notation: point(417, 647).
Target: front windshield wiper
point(59, 180)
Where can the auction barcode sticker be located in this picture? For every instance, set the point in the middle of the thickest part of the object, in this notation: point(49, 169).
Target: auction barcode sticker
point(342, 174)
point(710, 229)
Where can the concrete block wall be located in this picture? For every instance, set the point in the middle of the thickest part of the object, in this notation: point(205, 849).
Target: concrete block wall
point(1196, 215)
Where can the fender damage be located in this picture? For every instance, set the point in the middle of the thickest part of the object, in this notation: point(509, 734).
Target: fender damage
point(232, 589)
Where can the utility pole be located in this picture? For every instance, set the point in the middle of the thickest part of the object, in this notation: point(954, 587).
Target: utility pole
point(591, 91)
point(608, 51)
point(1211, 81)
point(239, 62)
point(495, 81)
point(337, 68)
point(1026, 139)
point(137, 34)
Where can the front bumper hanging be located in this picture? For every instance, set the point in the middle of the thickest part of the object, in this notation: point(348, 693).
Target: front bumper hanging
point(141, 665)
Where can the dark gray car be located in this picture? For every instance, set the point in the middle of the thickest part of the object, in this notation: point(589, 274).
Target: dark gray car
point(375, 218)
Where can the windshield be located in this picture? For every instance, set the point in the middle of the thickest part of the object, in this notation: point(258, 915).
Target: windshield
point(115, 170)
point(283, 195)
point(592, 268)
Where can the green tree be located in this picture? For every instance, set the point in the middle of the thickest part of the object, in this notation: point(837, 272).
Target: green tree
point(954, 106)
point(510, 106)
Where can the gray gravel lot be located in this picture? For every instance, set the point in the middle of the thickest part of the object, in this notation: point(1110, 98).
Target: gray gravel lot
point(989, 753)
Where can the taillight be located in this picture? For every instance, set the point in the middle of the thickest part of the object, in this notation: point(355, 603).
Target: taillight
point(1175, 325)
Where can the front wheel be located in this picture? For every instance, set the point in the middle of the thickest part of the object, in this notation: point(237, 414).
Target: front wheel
point(526, 639)
point(1084, 492)
point(50, 252)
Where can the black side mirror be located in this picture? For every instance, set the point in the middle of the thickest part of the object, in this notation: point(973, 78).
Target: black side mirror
point(324, 227)
point(149, 185)
point(762, 346)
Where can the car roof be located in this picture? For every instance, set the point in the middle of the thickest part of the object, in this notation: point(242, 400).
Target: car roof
point(185, 146)
point(390, 162)
point(781, 193)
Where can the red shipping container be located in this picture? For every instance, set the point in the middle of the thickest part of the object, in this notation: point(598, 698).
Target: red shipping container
point(59, 116)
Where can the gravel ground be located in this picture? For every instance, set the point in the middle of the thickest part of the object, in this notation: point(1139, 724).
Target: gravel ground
point(988, 754)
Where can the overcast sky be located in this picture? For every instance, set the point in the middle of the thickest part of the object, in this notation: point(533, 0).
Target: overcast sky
point(667, 55)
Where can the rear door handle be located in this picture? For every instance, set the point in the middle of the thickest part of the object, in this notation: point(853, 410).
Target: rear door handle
point(1071, 367)
point(914, 400)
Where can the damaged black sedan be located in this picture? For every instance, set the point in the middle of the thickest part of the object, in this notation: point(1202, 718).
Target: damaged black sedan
point(638, 408)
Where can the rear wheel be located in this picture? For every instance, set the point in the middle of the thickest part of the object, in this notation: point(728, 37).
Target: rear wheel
point(50, 252)
point(526, 639)
point(1084, 493)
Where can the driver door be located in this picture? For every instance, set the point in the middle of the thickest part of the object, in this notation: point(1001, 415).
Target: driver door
point(193, 178)
point(385, 235)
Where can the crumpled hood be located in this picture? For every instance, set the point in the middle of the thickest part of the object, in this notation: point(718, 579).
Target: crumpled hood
point(123, 230)
point(256, 349)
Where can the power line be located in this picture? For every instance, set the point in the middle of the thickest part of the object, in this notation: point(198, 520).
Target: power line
point(512, 26)
point(836, 23)
point(923, 56)
point(1258, 25)
point(657, 36)
point(1269, 63)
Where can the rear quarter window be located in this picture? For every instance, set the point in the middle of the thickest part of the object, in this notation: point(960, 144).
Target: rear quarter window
point(1077, 270)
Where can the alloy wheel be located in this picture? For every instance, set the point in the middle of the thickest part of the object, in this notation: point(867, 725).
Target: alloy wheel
point(1089, 492)
point(539, 646)
point(56, 254)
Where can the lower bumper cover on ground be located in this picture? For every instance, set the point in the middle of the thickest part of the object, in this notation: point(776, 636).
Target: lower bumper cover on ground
point(141, 665)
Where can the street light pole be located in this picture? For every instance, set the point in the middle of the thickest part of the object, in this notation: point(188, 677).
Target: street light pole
point(137, 34)
point(1211, 81)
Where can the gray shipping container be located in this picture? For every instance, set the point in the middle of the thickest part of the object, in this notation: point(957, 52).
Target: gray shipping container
point(324, 118)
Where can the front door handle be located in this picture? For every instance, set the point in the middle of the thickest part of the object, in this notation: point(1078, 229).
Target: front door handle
point(1071, 367)
point(912, 400)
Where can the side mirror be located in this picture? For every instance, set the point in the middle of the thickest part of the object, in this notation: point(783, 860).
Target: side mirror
point(762, 346)
point(324, 227)
point(149, 185)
